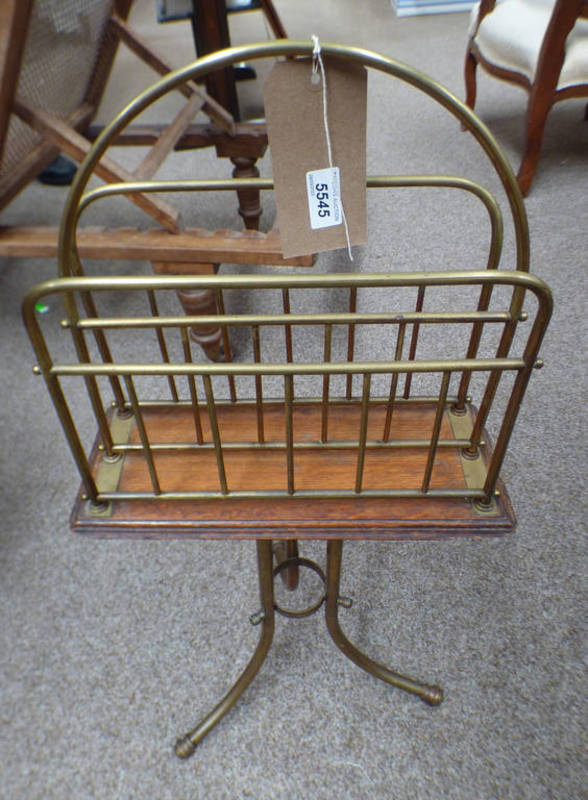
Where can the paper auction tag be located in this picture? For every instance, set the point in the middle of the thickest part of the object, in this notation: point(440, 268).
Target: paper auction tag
point(312, 196)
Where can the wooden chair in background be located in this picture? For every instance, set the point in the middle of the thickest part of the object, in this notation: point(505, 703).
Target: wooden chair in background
point(540, 45)
point(55, 61)
point(56, 66)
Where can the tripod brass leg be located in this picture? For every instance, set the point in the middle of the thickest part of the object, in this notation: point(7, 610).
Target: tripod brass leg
point(186, 745)
point(432, 695)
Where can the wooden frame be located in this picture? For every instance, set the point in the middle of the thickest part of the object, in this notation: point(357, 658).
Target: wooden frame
point(242, 145)
point(211, 32)
point(59, 135)
point(14, 17)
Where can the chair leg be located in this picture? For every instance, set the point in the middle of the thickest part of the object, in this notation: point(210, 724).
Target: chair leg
point(249, 199)
point(432, 695)
point(537, 112)
point(197, 302)
point(470, 79)
point(186, 745)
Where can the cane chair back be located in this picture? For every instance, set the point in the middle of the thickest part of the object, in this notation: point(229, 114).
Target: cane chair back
point(58, 58)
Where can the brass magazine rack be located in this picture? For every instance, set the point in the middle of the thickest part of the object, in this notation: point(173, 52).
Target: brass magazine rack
point(348, 406)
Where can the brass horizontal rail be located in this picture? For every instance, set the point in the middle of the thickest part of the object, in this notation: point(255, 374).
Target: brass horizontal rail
point(331, 318)
point(339, 494)
point(333, 401)
point(522, 280)
point(306, 281)
point(330, 368)
point(267, 184)
point(401, 444)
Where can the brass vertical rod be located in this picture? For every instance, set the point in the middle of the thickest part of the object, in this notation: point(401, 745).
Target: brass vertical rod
point(433, 695)
point(44, 368)
point(289, 399)
point(72, 436)
point(436, 431)
point(186, 745)
point(287, 328)
point(365, 399)
point(514, 402)
point(218, 448)
point(483, 410)
point(258, 385)
point(490, 392)
point(192, 387)
point(325, 403)
point(94, 391)
point(516, 303)
point(394, 381)
point(103, 349)
point(508, 422)
point(227, 346)
point(390, 407)
point(351, 340)
point(162, 345)
point(142, 433)
point(414, 340)
point(101, 419)
point(474, 344)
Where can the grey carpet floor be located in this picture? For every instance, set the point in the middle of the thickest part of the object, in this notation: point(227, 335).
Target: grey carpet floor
point(109, 650)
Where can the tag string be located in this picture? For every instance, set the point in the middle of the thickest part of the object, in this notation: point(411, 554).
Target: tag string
point(317, 64)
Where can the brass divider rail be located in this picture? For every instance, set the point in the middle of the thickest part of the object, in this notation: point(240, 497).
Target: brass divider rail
point(68, 257)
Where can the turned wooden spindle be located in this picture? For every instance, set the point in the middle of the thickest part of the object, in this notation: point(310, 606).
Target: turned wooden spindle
point(249, 200)
point(196, 302)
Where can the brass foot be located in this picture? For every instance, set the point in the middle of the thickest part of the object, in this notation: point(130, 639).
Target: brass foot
point(433, 695)
point(184, 748)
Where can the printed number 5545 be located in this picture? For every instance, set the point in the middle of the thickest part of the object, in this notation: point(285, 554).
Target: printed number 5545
point(322, 195)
